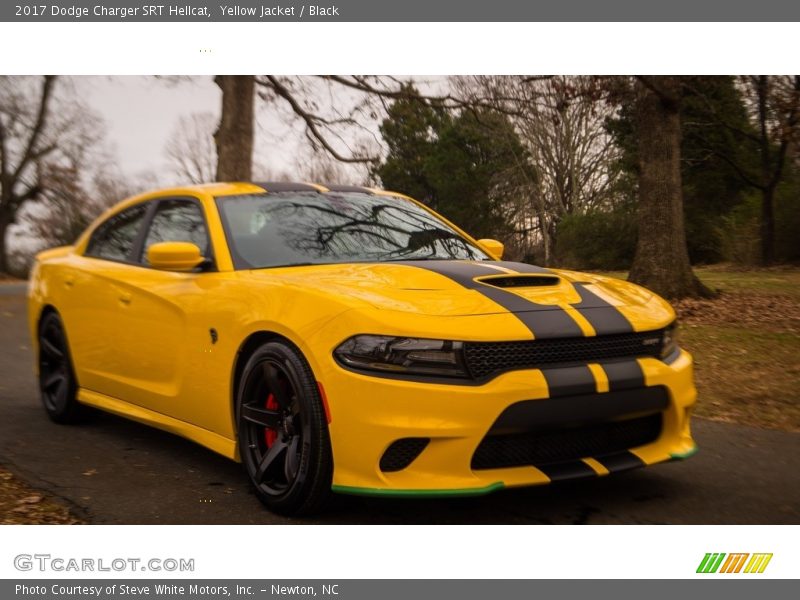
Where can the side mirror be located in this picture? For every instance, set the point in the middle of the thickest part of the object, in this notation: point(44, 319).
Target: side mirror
point(174, 256)
point(493, 247)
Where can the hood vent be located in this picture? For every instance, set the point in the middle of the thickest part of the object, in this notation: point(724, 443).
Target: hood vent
point(520, 281)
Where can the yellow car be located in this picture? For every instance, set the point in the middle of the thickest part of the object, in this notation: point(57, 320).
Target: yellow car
point(347, 339)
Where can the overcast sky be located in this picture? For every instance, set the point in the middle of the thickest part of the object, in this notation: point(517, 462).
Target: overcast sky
point(141, 113)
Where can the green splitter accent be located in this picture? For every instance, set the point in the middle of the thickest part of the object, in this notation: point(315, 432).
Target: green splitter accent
point(388, 493)
point(710, 562)
point(684, 455)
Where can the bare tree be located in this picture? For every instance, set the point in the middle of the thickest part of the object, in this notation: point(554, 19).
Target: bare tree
point(77, 183)
point(48, 140)
point(26, 138)
point(320, 167)
point(190, 151)
point(561, 121)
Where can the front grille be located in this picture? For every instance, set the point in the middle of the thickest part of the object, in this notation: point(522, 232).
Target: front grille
point(402, 453)
point(532, 448)
point(486, 359)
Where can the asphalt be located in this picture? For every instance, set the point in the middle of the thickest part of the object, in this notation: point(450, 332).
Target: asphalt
point(115, 471)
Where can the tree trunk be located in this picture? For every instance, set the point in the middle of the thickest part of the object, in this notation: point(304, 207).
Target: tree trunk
point(234, 136)
point(4, 224)
point(661, 262)
point(767, 225)
point(551, 228)
point(767, 192)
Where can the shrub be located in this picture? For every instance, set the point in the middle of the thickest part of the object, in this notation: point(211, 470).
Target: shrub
point(597, 240)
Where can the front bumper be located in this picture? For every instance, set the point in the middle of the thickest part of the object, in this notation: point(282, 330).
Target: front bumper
point(370, 413)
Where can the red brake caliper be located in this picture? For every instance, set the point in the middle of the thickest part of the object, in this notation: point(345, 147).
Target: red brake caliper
point(270, 435)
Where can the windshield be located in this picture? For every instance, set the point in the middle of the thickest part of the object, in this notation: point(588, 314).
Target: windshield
point(273, 230)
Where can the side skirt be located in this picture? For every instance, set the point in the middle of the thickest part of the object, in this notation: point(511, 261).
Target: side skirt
point(204, 437)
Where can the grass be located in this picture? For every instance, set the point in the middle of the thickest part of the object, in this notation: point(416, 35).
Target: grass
point(746, 345)
point(725, 278)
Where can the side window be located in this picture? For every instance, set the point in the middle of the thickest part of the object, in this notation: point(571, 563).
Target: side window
point(177, 221)
point(115, 238)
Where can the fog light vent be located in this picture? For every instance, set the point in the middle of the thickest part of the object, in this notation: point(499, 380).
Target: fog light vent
point(402, 453)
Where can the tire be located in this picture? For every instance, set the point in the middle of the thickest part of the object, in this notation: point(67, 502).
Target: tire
point(57, 383)
point(283, 431)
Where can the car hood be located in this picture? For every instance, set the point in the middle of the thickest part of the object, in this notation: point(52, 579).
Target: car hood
point(458, 288)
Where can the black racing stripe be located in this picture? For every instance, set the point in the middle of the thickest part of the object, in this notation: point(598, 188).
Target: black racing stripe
point(285, 186)
point(460, 272)
point(604, 317)
point(533, 416)
point(543, 320)
point(569, 381)
point(574, 469)
point(620, 461)
point(623, 375)
point(348, 188)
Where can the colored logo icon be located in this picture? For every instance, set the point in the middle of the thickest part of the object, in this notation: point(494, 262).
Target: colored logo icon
point(717, 562)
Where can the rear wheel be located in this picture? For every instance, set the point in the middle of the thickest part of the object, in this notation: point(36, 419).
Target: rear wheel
point(57, 382)
point(283, 433)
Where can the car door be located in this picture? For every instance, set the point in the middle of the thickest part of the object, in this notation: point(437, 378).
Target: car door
point(165, 323)
point(96, 288)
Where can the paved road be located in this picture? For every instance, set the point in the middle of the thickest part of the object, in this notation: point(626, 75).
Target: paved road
point(115, 471)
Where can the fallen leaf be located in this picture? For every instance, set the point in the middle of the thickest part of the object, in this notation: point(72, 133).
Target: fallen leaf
point(32, 499)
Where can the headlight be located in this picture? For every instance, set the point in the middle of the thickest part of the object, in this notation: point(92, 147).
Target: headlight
point(410, 356)
point(669, 341)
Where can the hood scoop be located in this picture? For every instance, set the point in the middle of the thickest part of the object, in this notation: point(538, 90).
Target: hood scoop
point(520, 281)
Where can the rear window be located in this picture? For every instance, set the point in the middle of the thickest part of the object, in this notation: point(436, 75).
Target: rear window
point(114, 239)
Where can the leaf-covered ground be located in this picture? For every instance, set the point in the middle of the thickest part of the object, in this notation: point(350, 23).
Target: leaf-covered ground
point(746, 345)
point(21, 505)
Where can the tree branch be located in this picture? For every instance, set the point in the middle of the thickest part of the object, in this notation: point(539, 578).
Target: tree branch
point(739, 171)
point(31, 152)
point(311, 120)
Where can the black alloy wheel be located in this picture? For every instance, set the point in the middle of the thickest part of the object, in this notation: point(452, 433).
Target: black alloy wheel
point(57, 382)
point(282, 430)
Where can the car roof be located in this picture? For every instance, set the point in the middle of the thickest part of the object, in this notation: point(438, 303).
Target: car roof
point(233, 188)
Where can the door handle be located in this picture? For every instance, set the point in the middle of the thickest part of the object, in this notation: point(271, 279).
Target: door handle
point(125, 299)
point(69, 282)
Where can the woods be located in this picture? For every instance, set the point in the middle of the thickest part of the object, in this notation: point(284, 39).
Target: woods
point(644, 173)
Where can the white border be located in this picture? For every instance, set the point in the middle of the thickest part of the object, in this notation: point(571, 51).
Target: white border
point(409, 552)
point(397, 48)
point(422, 49)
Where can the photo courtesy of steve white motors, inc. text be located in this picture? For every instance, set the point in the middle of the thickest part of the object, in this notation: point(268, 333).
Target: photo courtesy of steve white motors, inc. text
point(156, 11)
point(134, 590)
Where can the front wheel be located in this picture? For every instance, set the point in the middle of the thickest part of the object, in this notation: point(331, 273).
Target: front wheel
point(283, 432)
